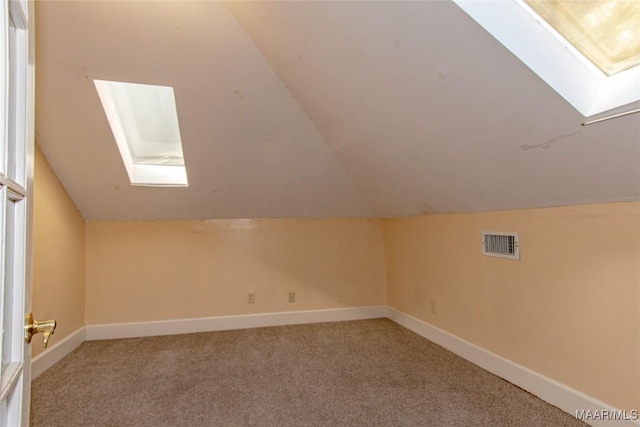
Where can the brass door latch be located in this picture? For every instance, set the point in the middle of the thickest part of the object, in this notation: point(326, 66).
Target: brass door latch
point(33, 327)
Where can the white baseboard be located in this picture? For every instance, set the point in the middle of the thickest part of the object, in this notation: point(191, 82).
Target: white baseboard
point(551, 391)
point(222, 323)
point(56, 352)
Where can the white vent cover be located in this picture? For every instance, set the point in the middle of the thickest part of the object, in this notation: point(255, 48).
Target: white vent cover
point(500, 244)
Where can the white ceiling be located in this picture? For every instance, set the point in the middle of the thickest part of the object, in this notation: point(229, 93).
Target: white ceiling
point(319, 109)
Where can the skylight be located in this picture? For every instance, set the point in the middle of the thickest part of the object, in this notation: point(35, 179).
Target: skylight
point(144, 122)
point(606, 32)
point(587, 51)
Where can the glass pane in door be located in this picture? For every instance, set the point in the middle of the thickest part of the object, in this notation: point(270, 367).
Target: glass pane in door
point(14, 164)
point(7, 288)
point(11, 308)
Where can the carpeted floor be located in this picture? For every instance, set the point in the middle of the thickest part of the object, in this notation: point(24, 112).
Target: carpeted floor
point(361, 373)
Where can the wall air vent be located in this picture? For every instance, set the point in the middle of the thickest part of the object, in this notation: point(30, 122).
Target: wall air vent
point(504, 245)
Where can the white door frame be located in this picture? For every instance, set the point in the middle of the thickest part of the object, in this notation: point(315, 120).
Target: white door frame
point(17, 77)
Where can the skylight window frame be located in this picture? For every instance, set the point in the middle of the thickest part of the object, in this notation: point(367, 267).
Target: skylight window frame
point(536, 43)
point(139, 174)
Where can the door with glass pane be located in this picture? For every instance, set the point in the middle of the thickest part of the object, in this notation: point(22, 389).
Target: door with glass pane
point(16, 147)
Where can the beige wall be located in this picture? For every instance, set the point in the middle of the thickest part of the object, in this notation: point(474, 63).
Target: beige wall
point(568, 310)
point(58, 255)
point(145, 271)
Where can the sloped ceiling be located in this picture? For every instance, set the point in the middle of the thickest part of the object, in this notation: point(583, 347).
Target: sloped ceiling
point(319, 109)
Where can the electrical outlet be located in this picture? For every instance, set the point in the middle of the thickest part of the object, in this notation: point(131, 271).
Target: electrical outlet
point(434, 311)
point(251, 298)
point(292, 297)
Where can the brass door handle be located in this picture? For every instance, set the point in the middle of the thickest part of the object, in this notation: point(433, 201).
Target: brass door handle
point(33, 327)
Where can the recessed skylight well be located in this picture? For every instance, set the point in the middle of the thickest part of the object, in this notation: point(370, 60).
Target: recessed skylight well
point(144, 122)
point(588, 51)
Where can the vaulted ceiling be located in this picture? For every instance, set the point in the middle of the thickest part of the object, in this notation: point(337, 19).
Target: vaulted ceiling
point(319, 109)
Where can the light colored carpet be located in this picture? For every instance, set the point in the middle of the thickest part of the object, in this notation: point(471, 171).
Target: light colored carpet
point(360, 373)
